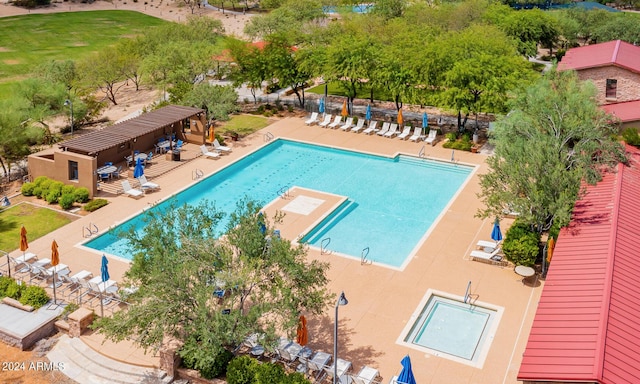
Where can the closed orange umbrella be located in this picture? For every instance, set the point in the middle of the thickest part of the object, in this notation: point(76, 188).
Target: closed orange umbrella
point(212, 135)
point(400, 118)
point(550, 247)
point(55, 260)
point(344, 109)
point(302, 333)
point(24, 245)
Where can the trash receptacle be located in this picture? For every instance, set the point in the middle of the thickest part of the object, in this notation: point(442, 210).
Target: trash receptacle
point(176, 155)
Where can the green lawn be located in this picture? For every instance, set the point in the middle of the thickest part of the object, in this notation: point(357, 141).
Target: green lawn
point(244, 124)
point(26, 41)
point(38, 222)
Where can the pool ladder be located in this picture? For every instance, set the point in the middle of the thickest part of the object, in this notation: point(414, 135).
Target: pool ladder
point(323, 246)
point(467, 294)
point(268, 137)
point(421, 154)
point(283, 192)
point(363, 257)
point(89, 230)
point(196, 174)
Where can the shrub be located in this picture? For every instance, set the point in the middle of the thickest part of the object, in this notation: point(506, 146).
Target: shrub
point(34, 296)
point(5, 281)
point(521, 245)
point(242, 370)
point(267, 114)
point(53, 196)
point(14, 290)
point(66, 200)
point(69, 309)
point(37, 191)
point(220, 139)
point(81, 195)
point(290, 108)
point(451, 136)
point(631, 136)
point(38, 181)
point(68, 190)
point(95, 204)
point(270, 373)
point(27, 189)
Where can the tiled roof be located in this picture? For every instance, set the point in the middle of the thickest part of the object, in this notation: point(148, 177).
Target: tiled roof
point(626, 112)
point(109, 137)
point(587, 325)
point(615, 52)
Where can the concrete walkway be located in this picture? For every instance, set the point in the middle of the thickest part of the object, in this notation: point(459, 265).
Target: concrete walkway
point(84, 365)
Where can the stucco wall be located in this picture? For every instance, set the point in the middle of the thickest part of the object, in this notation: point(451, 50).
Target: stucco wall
point(628, 83)
point(54, 164)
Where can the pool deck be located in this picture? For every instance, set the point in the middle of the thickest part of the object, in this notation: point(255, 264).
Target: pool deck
point(381, 299)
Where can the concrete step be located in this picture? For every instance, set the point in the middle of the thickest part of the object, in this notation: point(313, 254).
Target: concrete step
point(84, 365)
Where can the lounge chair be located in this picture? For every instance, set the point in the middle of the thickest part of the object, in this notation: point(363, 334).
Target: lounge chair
point(371, 128)
point(405, 133)
point(207, 153)
point(417, 134)
point(393, 130)
point(487, 246)
point(126, 187)
point(73, 282)
point(336, 121)
point(384, 129)
point(485, 256)
point(147, 185)
point(21, 263)
point(326, 121)
point(358, 126)
point(431, 139)
point(367, 375)
point(347, 124)
point(220, 148)
point(313, 119)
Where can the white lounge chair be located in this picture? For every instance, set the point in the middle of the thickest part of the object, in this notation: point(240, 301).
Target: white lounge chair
point(417, 134)
point(393, 130)
point(220, 148)
point(371, 128)
point(347, 124)
point(126, 187)
point(336, 121)
point(384, 129)
point(367, 375)
point(326, 121)
point(358, 126)
point(487, 246)
point(405, 133)
point(313, 119)
point(485, 256)
point(205, 151)
point(431, 139)
point(145, 184)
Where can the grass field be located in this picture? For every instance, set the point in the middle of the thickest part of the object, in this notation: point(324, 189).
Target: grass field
point(38, 222)
point(26, 41)
point(244, 124)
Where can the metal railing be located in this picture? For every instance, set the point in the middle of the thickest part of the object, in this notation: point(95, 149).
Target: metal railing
point(467, 293)
point(89, 230)
point(421, 154)
point(283, 192)
point(268, 136)
point(196, 174)
point(363, 257)
point(323, 246)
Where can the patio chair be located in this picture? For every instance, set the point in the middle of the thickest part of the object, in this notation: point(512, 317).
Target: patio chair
point(487, 246)
point(384, 129)
point(21, 263)
point(313, 119)
point(220, 148)
point(358, 126)
point(149, 157)
point(316, 365)
point(367, 375)
point(347, 124)
point(326, 121)
point(393, 130)
point(130, 191)
point(431, 139)
point(127, 159)
point(417, 134)
point(405, 133)
point(486, 256)
point(147, 185)
point(336, 121)
point(73, 282)
point(371, 128)
point(179, 145)
point(211, 155)
point(116, 173)
point(344, 367)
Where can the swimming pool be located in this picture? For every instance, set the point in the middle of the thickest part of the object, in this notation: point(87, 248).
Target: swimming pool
point(394, 200)
point(446, 326)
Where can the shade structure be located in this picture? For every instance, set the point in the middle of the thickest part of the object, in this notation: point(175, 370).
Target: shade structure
point(496, 234)
point(400, 118)
point(368, 114)
point(321, 105)
point(345, 112)
point(550, 247)
point(212, 135)
point(104, 276)
point(55, 260)
point(139, 169)
point(406, 375)
point(302, 332)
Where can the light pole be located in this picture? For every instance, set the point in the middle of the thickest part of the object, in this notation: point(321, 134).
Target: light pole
point(342, 300)
point(70, 104)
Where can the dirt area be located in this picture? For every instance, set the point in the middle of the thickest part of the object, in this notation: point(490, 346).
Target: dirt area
point(21, 367)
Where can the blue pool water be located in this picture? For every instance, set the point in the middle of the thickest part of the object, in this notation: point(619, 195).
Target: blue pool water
point(392, 201)
point(451, 327)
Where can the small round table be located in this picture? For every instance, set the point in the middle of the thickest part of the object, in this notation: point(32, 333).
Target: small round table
point(525, 272)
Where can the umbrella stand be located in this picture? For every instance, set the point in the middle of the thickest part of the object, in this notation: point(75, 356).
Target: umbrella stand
point(101, 305)
point(9, 264)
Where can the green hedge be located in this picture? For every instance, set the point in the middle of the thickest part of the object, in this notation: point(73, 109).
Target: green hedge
point(27, 295)
point(247, 370)
point(521, 245)
point(95, 204)
point(52, 191)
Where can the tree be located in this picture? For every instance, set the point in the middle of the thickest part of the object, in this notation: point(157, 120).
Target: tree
point(285, 67)
point(211, 292)
point(59, 72)
point(104, 70)
point(530, 28)
point(217, 100)
point(15, 135)
point(251, 66)
point(290, 18)
point(554, 138)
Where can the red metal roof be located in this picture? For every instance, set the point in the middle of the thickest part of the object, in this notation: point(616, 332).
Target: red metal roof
point(615, 52)
point(626, 112)
point(587, 325)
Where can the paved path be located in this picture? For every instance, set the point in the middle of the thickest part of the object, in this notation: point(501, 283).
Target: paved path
point(84, 365)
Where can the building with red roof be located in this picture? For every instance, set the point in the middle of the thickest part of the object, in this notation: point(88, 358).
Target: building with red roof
point(614, 68)
point(587, 324)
